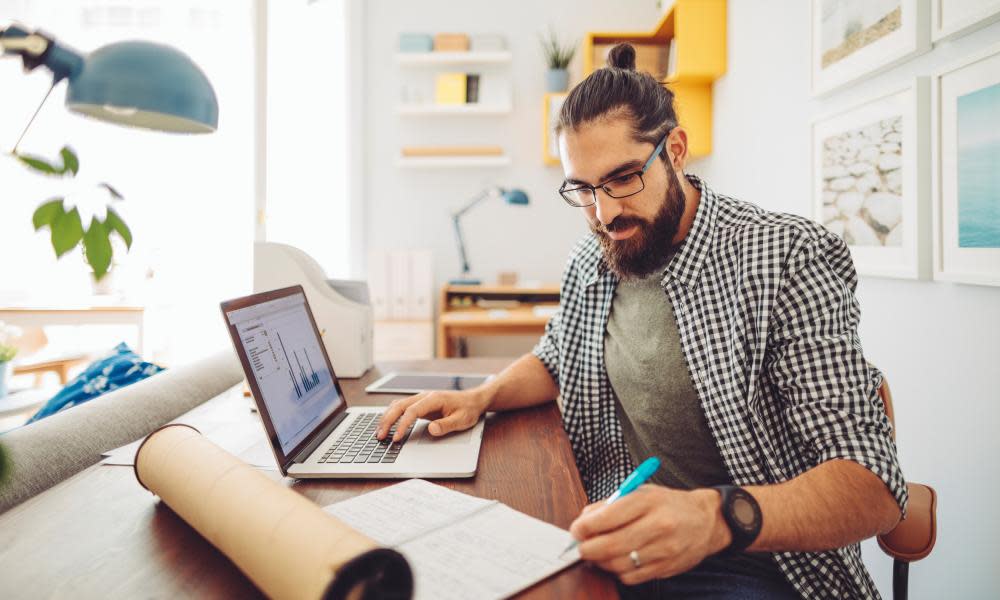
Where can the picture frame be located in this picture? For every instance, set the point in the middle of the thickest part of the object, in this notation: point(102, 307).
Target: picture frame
point(853, 39)
point(552, 104)
point(954, 18)
point(965, 105)
point(871, 180)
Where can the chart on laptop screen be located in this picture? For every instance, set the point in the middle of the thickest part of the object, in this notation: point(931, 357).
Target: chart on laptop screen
point(287, 361)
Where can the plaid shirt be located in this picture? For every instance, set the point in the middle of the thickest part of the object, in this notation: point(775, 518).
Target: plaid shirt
point(765, 307)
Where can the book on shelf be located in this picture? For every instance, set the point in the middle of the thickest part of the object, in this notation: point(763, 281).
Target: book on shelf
point(471, 88)
point(450, 88)
point(451, 42)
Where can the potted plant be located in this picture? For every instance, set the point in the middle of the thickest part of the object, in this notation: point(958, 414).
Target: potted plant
point(8, 333)
point(558, 57)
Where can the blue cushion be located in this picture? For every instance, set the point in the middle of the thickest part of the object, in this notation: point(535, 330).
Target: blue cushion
point(119, 369)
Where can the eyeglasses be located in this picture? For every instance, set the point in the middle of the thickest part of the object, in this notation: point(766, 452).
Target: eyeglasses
point(619, 186)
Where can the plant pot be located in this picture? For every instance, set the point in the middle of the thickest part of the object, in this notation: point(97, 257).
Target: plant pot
point(5, 372)
point(557, 80)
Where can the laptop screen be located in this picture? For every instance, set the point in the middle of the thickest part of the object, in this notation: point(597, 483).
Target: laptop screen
point(289, 365)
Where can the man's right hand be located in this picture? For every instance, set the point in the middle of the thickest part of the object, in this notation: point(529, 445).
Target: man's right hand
point(449, 411)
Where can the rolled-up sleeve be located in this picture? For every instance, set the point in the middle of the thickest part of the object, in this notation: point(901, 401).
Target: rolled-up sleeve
point(830, 392)
point(547, 348)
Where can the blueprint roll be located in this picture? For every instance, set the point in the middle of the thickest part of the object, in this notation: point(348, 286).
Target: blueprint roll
point(283, 542)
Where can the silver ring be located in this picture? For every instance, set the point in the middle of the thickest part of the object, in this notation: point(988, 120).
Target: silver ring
point(634, 555)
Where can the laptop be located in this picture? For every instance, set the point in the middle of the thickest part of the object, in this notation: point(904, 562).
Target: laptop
point(312, 431)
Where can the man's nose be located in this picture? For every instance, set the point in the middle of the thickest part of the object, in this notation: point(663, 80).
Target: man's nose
point(607, 208)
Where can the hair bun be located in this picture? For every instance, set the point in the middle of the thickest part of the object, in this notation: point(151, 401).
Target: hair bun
point(622, 56)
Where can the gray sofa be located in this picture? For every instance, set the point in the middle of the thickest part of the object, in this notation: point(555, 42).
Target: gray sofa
point(48, 451)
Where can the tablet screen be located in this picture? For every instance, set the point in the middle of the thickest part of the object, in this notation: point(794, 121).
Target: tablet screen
point(413, 383)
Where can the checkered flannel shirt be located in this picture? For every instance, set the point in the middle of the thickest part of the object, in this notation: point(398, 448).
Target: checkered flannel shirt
point(765, 307)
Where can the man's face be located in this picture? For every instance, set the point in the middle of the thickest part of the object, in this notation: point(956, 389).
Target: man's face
point(636, 233)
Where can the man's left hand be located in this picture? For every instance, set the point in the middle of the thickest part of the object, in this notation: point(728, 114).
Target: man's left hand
point(670, 530)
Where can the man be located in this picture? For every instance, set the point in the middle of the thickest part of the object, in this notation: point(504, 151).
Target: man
point(718, 337)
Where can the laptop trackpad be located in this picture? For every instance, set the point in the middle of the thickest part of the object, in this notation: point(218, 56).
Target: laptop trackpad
point(421, 436)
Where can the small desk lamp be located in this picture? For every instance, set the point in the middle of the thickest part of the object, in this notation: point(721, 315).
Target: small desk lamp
point(511, 196)
point(132, 83)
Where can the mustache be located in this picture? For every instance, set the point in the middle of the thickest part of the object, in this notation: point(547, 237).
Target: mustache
point(618, 224)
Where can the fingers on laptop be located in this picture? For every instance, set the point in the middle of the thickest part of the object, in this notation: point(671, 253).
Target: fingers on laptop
point(393, 412)
point(421, 406)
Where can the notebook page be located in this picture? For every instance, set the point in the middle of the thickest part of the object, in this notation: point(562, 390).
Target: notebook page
point(395, 514)
point(494, 553)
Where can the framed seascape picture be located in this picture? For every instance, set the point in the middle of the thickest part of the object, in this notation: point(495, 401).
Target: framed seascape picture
point(952, 18)
point(966, 154)
point(855, 38)
point(871, 181)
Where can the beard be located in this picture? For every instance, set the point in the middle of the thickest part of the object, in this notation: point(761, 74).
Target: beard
point(651, 245)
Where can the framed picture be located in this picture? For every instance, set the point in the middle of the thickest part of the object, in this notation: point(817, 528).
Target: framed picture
point(550, 143)
point(966, 155)
point(952, 18)
point(871, 181)
point(855, 38)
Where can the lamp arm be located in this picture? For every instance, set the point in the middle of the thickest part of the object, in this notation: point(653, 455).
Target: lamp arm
point(456, 221)
point(483, 195)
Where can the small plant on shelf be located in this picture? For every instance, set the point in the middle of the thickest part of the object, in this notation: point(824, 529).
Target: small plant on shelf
point(557, 56)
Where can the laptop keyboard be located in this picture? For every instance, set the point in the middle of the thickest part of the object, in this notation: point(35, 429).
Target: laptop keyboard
point(359, 444)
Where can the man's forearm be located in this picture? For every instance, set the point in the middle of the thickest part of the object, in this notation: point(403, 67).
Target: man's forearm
point(829, 506)
point(524, 383)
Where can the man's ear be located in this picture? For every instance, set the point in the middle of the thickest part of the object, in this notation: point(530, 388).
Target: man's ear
point(677, 148)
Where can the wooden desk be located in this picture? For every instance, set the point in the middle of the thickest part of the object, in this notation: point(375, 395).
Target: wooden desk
point(458, 320)
point(88, 312)
point(100, 535)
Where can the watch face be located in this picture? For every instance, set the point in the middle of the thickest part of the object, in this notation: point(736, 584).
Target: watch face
point(743, 512)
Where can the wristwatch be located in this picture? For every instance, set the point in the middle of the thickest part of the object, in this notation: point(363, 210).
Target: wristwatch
point(742, 515)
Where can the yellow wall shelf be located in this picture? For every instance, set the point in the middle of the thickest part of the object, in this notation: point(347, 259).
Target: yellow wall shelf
point(698, 31)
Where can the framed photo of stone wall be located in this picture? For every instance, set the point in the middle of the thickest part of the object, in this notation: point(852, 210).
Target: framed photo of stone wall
point(871, 181)
point(966, 155)
point(852, 39)
point(953, 18)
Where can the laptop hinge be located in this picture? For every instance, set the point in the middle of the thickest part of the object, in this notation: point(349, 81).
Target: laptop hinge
point(319, 438)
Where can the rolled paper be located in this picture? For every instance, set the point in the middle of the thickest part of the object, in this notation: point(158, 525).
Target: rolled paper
point(285, 544)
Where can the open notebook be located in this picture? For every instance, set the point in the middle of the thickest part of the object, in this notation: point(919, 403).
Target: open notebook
point(458, 546)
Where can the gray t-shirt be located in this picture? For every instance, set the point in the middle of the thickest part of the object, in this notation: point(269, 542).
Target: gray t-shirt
point(658, 407)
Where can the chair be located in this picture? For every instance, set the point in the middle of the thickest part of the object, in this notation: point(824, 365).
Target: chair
point(34, 358)
point(913, 538)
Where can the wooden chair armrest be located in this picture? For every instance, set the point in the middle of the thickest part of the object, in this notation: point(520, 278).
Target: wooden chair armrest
point(913, 538)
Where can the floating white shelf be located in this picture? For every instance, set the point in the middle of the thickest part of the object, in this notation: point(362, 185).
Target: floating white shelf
point(452, 109)
point(419, 59)
point(438, 162)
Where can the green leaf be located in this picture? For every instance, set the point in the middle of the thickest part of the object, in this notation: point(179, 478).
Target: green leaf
point(97, 244)
point(39, 165)
point(70, 160)
point(47, 213)
point(115, 223)
point(67, 231)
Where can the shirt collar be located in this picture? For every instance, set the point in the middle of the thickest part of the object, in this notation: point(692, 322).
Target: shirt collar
point(687, 263)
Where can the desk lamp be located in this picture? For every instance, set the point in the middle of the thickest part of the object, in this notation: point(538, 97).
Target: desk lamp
point(511, 196)
point(132, 83)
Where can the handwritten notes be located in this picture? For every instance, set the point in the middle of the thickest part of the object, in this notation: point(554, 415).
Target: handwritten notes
point(459, 546)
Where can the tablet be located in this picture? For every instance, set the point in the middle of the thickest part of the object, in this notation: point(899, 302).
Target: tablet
point(414, 383)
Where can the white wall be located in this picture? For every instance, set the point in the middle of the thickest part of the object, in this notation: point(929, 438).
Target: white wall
point(938, 343)
point(410, 208)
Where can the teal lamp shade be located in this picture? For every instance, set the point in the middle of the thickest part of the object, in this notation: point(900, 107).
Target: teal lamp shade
point(143, 84)
point(515, 197)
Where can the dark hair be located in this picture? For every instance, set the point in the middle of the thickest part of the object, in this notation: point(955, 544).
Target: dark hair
point(618, 87)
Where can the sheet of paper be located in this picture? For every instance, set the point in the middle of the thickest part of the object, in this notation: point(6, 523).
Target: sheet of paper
point(459, 546)
point(398, 513)
point(500, 552)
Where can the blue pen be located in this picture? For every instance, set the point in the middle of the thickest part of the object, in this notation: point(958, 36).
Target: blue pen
point(638, 477)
